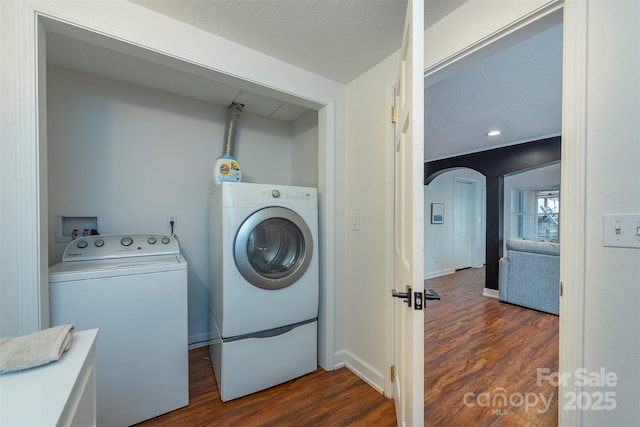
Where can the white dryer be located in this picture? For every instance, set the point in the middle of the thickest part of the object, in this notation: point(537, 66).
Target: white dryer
point(264, 285)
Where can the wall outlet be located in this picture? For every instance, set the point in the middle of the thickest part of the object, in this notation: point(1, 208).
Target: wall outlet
point(355, 223)
point(173, 218)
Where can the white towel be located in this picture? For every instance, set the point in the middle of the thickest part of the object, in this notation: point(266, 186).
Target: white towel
point(38, 348)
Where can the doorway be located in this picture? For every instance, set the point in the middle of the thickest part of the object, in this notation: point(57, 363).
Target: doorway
point(461, 188)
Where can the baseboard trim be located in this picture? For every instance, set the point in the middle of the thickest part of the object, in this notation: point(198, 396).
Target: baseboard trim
point(439, 273)
point(491, 293)
point(200, 340)
point(362, 369)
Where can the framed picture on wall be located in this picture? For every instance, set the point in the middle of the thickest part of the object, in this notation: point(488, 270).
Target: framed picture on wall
point(437, 213)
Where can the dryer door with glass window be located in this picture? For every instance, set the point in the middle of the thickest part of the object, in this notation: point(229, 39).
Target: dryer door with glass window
point(273, 248)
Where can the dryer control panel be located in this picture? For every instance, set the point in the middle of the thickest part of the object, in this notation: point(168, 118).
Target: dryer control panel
point(252, 195)
point(120, 246)
point(290, 194)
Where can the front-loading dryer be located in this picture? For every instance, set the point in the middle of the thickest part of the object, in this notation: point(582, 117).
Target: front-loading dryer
point(263, 285)
point(264, 256)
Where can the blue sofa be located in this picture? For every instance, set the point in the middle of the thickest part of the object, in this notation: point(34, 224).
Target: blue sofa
point(529, 275)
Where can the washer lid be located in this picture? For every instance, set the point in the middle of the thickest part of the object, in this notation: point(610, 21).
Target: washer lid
point(80, 270)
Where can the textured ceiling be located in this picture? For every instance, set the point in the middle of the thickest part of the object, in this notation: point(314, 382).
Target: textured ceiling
point(338, 39)
point(517, 90)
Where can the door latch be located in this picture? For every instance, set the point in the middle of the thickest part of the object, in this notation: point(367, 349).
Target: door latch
point(417, 297)
point(417, 301)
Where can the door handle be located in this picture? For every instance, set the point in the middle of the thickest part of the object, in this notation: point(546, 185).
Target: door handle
point(406, 296)
point(409, 295)
point(431, 295)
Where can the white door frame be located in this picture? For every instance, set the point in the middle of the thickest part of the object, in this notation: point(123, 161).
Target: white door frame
point(456, 48)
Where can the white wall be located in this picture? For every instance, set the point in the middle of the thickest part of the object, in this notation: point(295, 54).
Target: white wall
point(133, 156)
point(304, 151)
point(545, 177)
point(612, 142)
point(365, 270)
point(438, 238)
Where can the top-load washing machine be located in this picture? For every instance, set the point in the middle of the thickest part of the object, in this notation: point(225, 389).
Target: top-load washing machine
point(133, 288)
point(263, 285)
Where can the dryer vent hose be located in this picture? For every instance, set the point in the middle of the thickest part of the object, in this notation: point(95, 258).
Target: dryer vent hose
point(230, 130)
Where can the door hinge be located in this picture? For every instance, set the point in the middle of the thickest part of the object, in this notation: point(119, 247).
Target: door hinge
point(393, 115)
point(561, 289)
point(393, 373)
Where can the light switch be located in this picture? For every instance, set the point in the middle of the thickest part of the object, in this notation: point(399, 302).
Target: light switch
point(621, 230)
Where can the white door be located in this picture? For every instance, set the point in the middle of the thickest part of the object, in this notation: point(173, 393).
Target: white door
point(462, 232)
point(409, 214)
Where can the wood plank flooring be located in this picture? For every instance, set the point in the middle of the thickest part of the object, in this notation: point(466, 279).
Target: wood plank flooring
point(479, 350)
point(336, 398)
point(473, 344)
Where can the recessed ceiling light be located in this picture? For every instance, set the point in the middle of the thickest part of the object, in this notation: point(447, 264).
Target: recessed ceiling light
point(494, 133)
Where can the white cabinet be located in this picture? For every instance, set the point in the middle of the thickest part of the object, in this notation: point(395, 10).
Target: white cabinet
point(62, 393)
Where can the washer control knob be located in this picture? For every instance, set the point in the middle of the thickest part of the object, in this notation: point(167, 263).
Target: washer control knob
point(275, 193)
point(165, 240)
point(152, 240)
point(82, 244)
point(126, 241)
point(98, 243)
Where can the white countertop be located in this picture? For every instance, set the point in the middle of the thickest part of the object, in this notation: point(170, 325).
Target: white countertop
point(37, 396)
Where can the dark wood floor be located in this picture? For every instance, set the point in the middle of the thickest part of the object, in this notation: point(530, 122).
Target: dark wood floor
point(476, 350)
point(336, 398)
